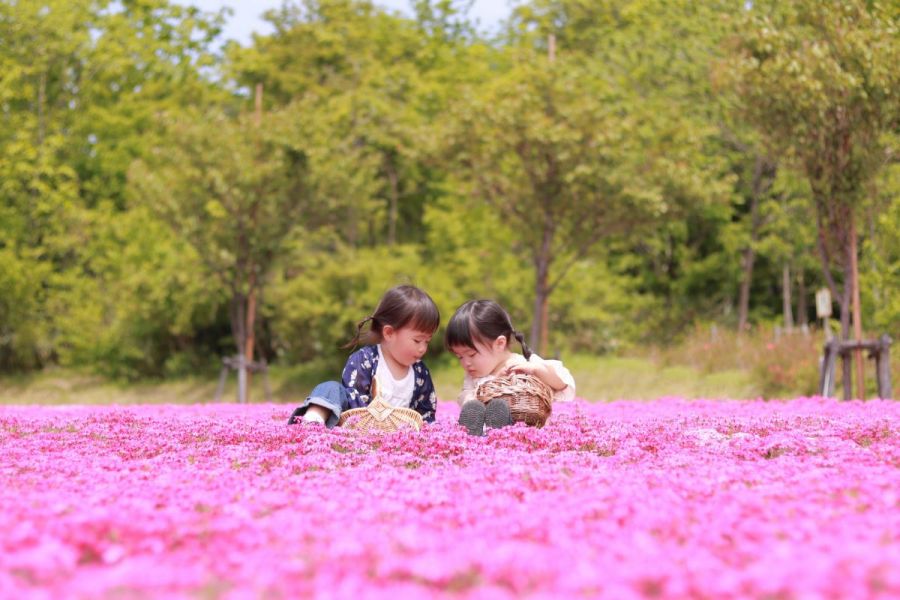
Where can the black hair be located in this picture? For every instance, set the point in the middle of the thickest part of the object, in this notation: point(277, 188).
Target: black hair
point(481, 321)
point(401, 306)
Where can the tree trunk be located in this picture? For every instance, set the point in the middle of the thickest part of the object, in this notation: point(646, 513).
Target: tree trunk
point(748, 256)
point(786, 297)
point(540, 310)
point(250, 313)
point(801, 300)
point(747, 259)
point(238, 329)
point(545, 326)
point(857, 311)
point(541, 292)
point(394, 201)
point(42, 100)
point(249, 330)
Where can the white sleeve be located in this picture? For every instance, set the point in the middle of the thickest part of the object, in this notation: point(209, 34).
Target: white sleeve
point(567, 394)
point(468, 390)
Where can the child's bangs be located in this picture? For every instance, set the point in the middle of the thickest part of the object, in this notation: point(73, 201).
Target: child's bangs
point(425, 316)
point(461, 333)
point(458, 334)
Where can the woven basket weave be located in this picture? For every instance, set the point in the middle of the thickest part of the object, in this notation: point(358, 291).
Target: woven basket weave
point(529, 398)
point(380, 416)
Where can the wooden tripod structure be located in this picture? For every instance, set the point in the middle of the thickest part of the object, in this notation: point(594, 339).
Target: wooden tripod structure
point(878, 349)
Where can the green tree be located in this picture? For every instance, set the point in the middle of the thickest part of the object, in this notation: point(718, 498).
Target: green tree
point(547, 146)
point(234, 191)
point(881, 254)
point(374, 83)
point(819, 82)
point(81, 83)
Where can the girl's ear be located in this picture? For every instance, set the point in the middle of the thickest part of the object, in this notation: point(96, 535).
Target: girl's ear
point(387, 332)
point(500, 343)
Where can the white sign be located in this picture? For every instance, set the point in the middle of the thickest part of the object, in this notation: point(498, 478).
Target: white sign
point(823, 303)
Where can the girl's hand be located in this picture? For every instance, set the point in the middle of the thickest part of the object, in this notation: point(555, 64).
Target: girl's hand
point(524, 368)
point(538, 368)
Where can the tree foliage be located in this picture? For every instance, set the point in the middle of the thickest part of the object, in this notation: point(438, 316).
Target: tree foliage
point(659, 164)
point(819, 81)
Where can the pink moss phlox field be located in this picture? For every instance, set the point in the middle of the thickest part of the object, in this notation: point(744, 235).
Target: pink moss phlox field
point(666, 499)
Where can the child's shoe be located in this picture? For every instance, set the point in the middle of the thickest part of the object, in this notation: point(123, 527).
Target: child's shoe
point(308, 418)
point(471, 416)
point(296, 417)
point(496, 414)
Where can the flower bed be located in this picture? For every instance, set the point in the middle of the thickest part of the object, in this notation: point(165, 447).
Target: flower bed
point(667, 499)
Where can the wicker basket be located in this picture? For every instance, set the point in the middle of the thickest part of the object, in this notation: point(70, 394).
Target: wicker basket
point(380, 416)
point(529, 398)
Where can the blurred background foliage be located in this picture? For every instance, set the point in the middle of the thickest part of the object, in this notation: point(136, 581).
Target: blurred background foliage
point(616, 189)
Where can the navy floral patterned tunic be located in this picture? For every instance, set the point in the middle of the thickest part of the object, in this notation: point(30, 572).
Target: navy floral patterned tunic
point(360, 370)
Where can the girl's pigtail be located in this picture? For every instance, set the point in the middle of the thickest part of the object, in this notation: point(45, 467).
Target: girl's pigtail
point(526, 351)
point(355, 341)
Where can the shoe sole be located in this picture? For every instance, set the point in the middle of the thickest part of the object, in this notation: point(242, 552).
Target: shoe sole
point(496, 414)
point(296, 417)
point(472, 417)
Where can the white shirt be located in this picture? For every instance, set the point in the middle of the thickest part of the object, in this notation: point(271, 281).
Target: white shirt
point(396, 392)
point(564, 395)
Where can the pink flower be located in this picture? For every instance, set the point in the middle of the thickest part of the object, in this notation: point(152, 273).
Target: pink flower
point(665, 499)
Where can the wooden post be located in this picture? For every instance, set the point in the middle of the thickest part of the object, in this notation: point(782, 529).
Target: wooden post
point(242, 379)
point(221, 387)
point(826, 377)
point(883, 367)
point(878, 349)
point(847, 371)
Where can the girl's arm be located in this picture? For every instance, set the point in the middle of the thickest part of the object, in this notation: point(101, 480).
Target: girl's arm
point(468, 390)
point(424, 399)
point(551, 372)
point(357, 377)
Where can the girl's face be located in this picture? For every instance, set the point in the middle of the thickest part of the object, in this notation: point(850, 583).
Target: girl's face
point(482, 360)
point(406, 346)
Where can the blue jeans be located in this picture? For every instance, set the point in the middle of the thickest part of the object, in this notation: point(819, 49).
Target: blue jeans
point(330, 395)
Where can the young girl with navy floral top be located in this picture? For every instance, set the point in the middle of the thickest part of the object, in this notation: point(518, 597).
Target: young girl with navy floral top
point(399, 332)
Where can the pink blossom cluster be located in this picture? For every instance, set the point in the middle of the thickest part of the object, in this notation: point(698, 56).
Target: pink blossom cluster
point(667, 499)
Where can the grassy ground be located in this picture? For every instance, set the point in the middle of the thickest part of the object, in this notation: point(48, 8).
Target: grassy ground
point(598, 378)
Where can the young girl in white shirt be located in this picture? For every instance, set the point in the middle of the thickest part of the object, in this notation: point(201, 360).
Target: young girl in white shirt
point(479, 334)
point(399, 332)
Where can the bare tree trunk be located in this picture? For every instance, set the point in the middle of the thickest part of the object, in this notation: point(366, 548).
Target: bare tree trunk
point(250, 327)
point(857, 311)
point(394, 201)
point(747, 259)
point(786, 297)
point(540, 309)
point(545, 326)
point(845, 306)
point(748, 256)
point(238, 324)
point(42, 100)
point(249, 330)
point(801, 300)
point(541, 292)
